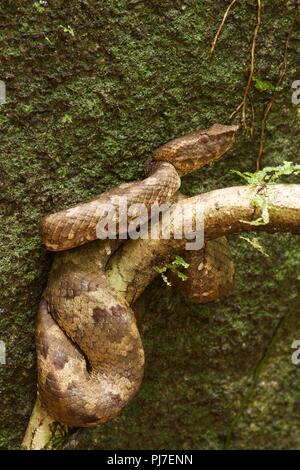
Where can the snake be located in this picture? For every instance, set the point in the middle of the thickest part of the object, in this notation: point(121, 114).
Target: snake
point(90, 354)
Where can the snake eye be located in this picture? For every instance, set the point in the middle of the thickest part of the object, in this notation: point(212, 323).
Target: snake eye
point(205, 139)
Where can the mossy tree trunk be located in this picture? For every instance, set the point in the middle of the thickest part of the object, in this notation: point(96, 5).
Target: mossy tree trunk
point(92, 88)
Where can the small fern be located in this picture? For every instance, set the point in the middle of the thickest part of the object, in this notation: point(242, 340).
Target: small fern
point(261, 180)
point(256, 244)
point(270, 174)
point(175, 266)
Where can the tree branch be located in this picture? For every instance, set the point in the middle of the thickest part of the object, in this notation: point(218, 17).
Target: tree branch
point(130, 269)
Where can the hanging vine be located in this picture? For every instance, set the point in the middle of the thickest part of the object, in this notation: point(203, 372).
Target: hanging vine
point(251, 78)
point(243, 105)
point(221, 26)
point(268, 107)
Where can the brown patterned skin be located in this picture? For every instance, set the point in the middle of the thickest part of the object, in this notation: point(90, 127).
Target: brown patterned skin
point(90, 355)
point(86, 377)
point(210, 273)
point(197, 149)
point(77, 225)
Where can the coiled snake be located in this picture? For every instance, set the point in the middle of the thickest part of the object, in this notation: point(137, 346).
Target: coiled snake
point(90, 354)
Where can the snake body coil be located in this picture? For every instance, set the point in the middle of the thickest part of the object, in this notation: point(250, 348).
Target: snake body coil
point(90, 355)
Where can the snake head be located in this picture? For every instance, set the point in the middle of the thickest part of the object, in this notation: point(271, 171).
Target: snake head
point(195, 150)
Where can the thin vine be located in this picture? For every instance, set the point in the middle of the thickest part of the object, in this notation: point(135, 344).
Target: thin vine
point(282, 71)
point(256, 244)
point(221, 26)
point(243, 105)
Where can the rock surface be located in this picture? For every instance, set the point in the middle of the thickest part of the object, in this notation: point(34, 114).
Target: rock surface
point(92, 88)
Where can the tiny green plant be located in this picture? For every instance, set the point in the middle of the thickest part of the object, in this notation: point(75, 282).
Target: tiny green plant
point(264, 85)
point(263, 202)
point(66, 119)
point(68, 29)
point(269, 174)
point(175, 266)
point(261, 180)
point(38, 7)
point(256, 244)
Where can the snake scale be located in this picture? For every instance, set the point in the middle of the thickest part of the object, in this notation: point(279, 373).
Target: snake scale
point(90, 354)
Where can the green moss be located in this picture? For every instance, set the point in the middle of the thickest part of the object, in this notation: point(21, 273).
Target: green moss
point(135, 74)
